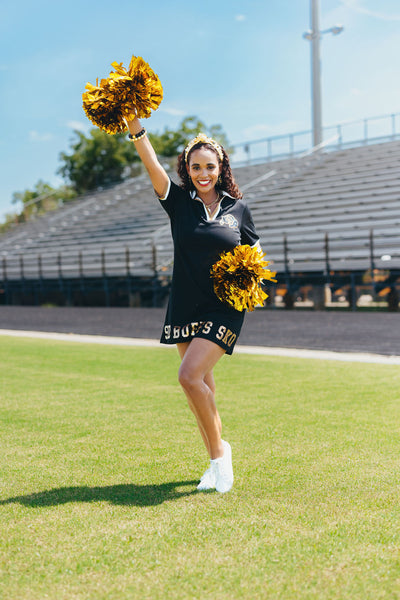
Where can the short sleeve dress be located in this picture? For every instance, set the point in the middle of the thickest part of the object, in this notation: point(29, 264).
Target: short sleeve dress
point(193, 308)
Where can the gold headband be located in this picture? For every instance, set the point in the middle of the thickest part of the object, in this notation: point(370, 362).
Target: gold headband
point(203, 139)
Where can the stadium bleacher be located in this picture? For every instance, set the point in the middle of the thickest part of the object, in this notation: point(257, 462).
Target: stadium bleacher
point(345, 195)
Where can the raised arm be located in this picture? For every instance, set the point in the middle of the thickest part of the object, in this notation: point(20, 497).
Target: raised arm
point(157, 173)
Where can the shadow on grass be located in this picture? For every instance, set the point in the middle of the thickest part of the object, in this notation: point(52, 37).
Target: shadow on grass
point(124, 494)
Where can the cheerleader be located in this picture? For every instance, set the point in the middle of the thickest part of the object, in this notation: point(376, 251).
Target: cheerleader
point(208, 217)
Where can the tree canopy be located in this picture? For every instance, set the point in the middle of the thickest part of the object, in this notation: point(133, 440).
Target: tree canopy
point(171, 142)
point(42, 198)
point(98, 159)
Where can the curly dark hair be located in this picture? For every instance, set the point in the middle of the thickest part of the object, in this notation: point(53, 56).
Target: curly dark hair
point(227, 184)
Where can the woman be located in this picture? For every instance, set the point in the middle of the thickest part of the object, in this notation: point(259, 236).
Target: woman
point(207, 218)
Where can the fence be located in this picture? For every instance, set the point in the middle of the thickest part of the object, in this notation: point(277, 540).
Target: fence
point(88, 282)
point(345, 135)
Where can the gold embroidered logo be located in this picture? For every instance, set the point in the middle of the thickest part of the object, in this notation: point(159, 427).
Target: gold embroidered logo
point(230, 221)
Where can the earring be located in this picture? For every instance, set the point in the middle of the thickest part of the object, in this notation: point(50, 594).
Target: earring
point(219, 180)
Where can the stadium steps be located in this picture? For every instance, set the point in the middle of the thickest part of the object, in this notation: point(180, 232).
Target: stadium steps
point(344, 193)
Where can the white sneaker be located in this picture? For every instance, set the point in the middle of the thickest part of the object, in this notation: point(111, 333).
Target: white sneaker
point(207, 481)
point(223, 470)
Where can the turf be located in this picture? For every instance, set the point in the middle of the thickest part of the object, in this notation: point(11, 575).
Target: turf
point(101, 457)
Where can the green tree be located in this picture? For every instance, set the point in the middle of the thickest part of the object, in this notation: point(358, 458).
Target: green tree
point(100, 159)
point(42, 198)
point(96, 160)
point(171, 142)
point(10, 220)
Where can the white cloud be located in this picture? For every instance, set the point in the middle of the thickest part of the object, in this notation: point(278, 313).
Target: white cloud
point(240, 17)
point(257, 131)
point(175, 112)
point(358, 6)
point(79, 126)
point(35, 136)
point(263, 130)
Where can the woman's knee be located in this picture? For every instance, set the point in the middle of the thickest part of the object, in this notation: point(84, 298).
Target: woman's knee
point(189, 378)
point(186, 376)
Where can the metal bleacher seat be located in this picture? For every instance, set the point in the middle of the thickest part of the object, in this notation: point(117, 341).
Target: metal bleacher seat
point(344, 194)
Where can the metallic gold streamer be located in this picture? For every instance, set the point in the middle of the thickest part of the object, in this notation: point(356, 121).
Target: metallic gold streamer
point(238, 275)
point(123, 95)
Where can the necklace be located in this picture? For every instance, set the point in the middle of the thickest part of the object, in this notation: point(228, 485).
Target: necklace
point(208, 206)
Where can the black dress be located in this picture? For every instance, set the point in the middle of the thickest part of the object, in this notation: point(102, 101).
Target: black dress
point(193, 309)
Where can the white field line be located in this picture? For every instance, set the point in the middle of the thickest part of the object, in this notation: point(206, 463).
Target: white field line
point(260, 350)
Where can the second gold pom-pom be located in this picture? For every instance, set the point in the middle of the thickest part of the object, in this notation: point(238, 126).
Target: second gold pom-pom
point(238, 275)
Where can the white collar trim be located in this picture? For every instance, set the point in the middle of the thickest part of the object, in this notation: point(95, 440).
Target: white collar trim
point(217, 208)
point(194, 196)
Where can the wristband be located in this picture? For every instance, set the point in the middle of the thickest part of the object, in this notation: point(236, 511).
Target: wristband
point(135, 137)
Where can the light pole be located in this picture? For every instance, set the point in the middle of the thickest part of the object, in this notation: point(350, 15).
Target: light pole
point(314, 36)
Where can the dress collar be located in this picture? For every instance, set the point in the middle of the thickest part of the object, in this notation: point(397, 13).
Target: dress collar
point(193, 195)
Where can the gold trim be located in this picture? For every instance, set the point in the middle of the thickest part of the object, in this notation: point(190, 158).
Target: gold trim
point(204, 139)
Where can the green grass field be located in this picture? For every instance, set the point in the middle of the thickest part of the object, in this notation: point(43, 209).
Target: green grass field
point(100, 458)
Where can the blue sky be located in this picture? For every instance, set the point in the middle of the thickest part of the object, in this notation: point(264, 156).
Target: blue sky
point(240, 63)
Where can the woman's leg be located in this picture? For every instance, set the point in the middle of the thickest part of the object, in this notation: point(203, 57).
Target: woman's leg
point(182, 347)
point(209, 381)
point(196, 378)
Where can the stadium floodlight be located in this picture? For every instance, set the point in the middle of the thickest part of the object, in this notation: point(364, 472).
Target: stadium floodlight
point(314, 35)
point(334, 30)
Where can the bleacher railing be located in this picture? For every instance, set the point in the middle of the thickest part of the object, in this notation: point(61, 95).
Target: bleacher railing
point(347, 134)
point(326, 278)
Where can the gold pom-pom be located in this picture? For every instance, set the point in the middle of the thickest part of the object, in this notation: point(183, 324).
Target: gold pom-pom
point(124, 94)
point(238, 276)
point(101, 108)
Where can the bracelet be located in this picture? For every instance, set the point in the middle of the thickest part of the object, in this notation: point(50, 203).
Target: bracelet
point(135, 137)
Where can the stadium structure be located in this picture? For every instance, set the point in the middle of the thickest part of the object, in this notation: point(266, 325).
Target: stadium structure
point(328, 218)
